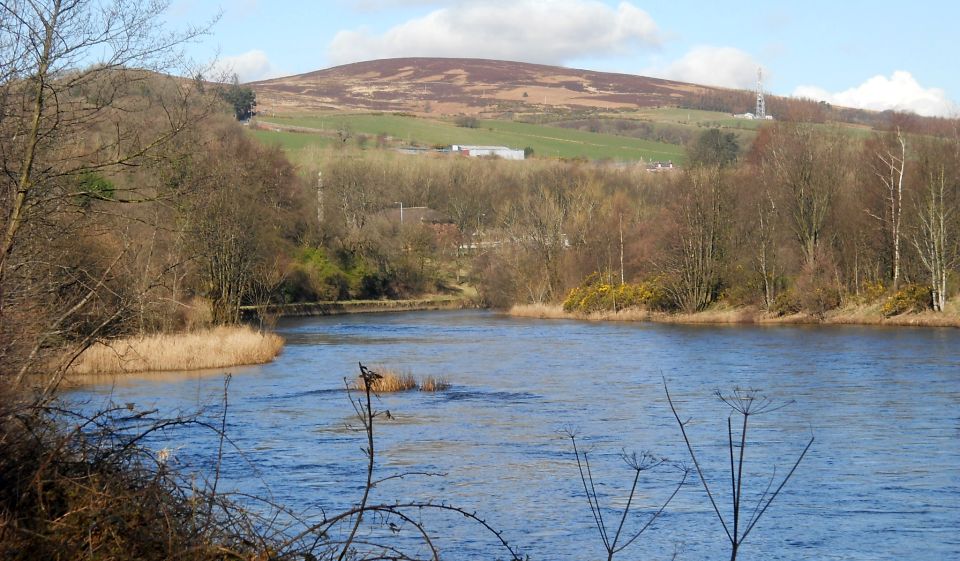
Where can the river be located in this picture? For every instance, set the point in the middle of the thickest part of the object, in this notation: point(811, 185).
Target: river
point(881, 481)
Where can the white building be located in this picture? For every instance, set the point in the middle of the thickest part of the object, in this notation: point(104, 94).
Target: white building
point(481, 151)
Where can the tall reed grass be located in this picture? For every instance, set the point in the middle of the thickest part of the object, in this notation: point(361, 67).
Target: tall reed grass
point(391, 381)
point(209, 348)
point(434, 384)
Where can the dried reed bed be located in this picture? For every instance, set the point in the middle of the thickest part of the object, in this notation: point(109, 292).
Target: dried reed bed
point(392, 380)
point(854, 315)
point(539, 311)
point(218, 347)
point(434, 384)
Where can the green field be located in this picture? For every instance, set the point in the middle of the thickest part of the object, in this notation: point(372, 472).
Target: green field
point(291, 140)
point(546, 141)
point(716, 119)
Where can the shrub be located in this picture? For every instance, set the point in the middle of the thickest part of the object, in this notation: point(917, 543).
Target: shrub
point(596, 295)
point(821, 299)
point(816, 287)
point(317, 276)
point(77, 487)
point(910, 298)
point(466, 121)
point(871, 292)
point(786, 303)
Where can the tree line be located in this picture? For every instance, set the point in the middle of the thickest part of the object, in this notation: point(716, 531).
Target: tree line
point(808, 218)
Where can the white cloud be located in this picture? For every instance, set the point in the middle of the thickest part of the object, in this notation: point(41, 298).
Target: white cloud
point(543, 31)
point(249, 66)
point(376, 5)
point(900, 92)
point(726, 67)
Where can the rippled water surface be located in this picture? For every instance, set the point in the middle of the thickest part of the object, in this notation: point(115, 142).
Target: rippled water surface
point(881, 482)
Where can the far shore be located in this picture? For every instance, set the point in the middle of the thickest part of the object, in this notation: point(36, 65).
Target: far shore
point(329, 308)
point(861, 315)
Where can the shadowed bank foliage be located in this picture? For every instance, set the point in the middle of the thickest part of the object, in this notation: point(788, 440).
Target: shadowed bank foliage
point(79, 487)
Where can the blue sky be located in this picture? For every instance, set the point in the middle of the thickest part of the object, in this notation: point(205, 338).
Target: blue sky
point(877, 54)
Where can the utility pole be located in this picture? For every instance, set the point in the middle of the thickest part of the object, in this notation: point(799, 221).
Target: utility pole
point(319, 199)
point(622, 280)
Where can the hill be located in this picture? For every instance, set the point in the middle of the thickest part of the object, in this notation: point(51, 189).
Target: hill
point(468, 86)
point(499, 89)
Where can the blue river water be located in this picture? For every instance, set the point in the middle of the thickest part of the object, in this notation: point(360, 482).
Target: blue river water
point(880, 482)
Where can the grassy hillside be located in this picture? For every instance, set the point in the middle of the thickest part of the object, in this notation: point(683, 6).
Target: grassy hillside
point(546, 141)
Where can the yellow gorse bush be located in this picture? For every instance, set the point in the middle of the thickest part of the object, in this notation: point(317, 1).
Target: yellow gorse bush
point(596, 295)
point(910, 298)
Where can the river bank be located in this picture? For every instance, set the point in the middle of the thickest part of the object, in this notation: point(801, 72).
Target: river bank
point(329, 308)
point(228, 346)
point(853, 315)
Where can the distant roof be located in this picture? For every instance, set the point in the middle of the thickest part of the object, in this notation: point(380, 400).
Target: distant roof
point(470, 147)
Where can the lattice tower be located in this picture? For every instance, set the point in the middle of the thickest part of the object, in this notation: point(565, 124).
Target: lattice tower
point(761, 112)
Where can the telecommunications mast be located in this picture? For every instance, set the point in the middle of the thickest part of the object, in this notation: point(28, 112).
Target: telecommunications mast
point(761, 112)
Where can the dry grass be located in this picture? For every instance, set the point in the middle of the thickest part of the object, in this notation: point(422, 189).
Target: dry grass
point(871, 315)
point(434, 384)
point(218, 347)
point(854, 315)
point(556, 311)
point(539, 311)
point(390, 381)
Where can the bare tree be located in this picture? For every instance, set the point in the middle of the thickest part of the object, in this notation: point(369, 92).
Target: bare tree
point(935, 237)
point(242, 205)
point(766, 254)
point(889, 167)
point(808, 168)
point(535, 226)
point(695, 259)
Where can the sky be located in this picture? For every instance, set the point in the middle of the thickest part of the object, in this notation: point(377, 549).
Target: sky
point(878, 54)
